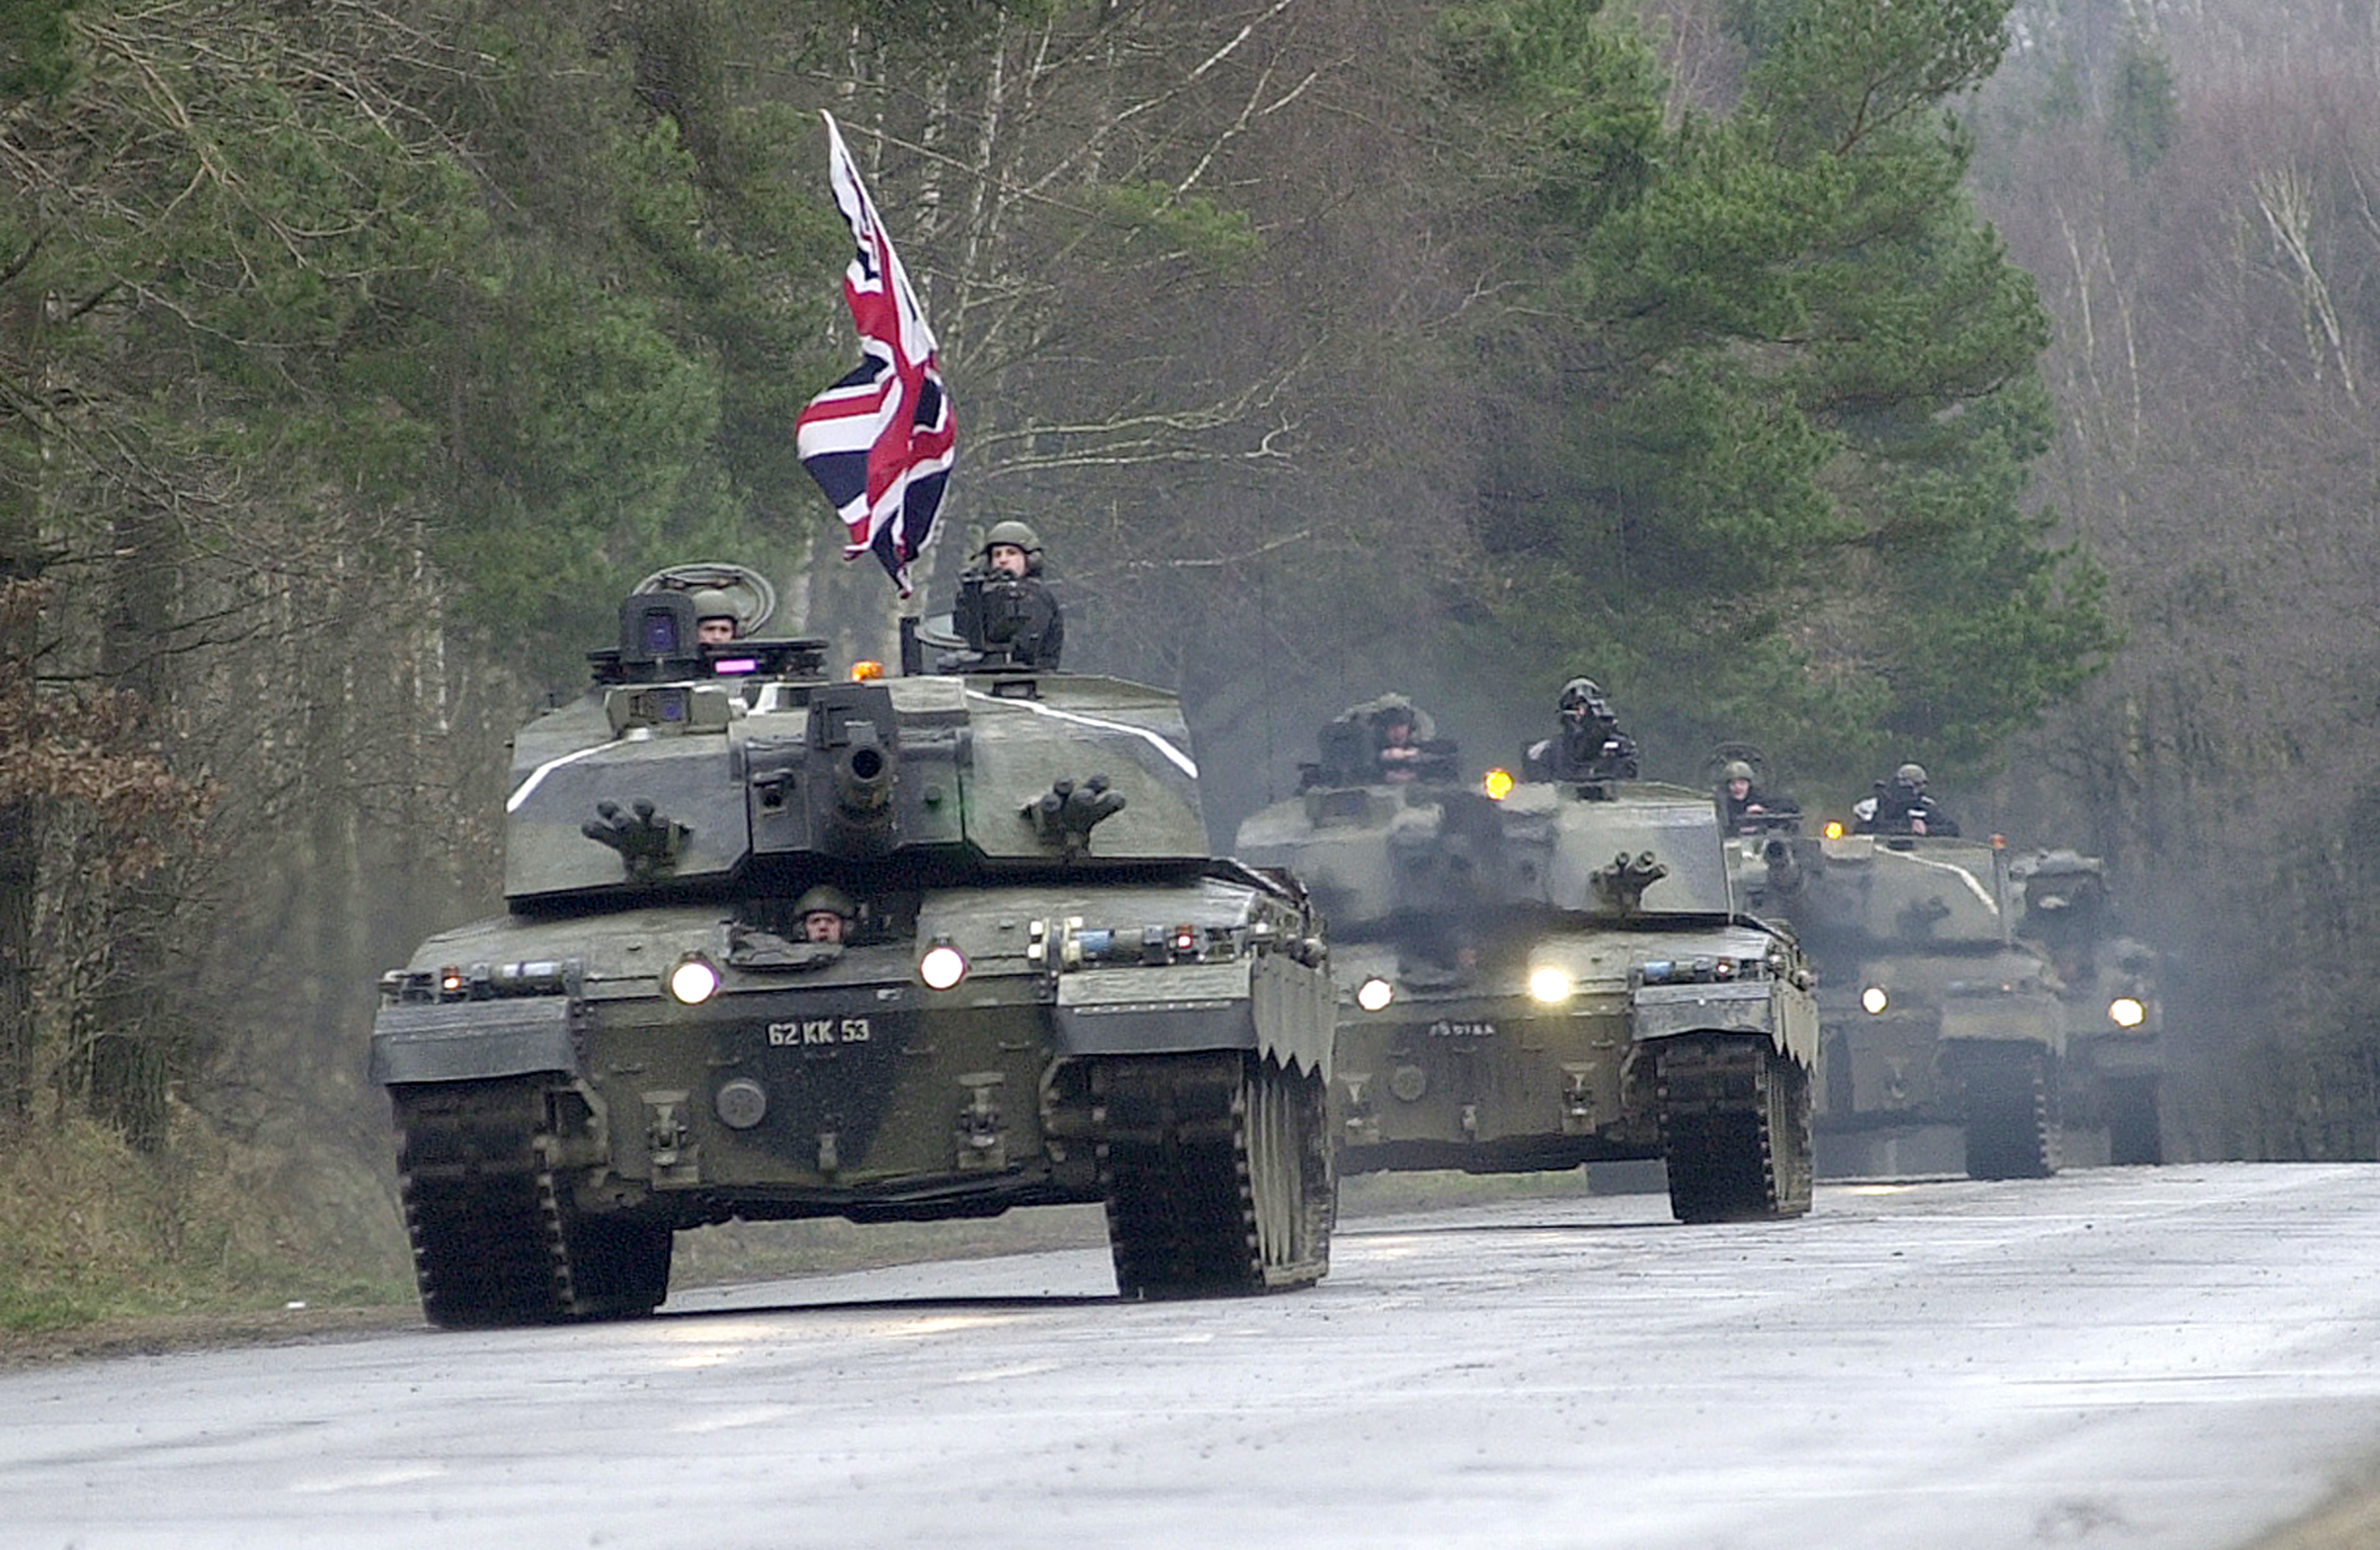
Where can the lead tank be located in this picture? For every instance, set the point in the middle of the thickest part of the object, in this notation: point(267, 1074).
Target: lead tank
point(1552, 976)
point(1936, 1012)
point(1047, 991)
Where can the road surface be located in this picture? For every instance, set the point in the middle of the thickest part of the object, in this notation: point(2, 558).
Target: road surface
point(2179, 1358)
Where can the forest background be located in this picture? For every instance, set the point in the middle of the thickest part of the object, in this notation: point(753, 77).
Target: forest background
point(1949, 381)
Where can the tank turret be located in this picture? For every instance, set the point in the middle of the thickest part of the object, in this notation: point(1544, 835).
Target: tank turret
point(1545, 973)
point(1035, 985)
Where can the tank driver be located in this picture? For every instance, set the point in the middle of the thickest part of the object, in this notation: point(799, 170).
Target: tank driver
point(1590, 747)
point(1902, 806)
point(825, 914)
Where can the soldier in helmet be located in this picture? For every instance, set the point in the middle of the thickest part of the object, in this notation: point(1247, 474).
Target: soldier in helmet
point(1749, 809)
point(825, 914)
point(1591, 745)
point(1017, 607)
point(1903, 806)
point(715, 620)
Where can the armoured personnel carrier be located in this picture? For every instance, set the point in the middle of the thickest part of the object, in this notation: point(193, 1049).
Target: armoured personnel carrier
point(1543, 974)
point(903, 948)
point(1935, 1011)
point(2108, 984)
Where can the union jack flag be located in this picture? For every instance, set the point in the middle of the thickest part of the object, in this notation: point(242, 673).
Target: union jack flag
point(881, 442)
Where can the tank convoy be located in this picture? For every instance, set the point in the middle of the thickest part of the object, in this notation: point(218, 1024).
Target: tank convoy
point(1042, 989)
point(1961, 988)
point(1542, 973)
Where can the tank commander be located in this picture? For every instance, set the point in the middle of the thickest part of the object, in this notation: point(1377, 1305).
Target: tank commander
point(1750, 809)
point(1902, 806)
point(825, 914)
point(715, 621)
point(1590, 747)
point(1014, 609)
point(1399, 752)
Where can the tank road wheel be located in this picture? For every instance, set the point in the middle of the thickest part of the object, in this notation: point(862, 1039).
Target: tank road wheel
point(2009, 1125)
point(1735, 1128)
point(494, 1242)
point(1218, 1175)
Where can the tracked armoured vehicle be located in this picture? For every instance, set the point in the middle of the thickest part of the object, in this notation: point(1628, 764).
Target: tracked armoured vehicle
point(1552, 976)
point(1935, 1011)
point(919, 947)
point(2111, 1097)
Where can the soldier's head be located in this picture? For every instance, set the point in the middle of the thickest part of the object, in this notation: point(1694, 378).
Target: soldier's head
point(1583, 705)
point(1396, 725)
point(1738, 776)
point(715, 620)
point(1012, 548)
point(1909, 780)
point(825, 914)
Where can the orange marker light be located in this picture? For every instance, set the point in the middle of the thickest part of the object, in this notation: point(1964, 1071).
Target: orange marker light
point(866, 672)
point(1498, 784)
point(1834, 829)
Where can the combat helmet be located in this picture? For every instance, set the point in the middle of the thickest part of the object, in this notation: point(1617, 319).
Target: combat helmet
point(1912, 777)
point(1737, 770)
point(710, 602)
point(827, 896)
point(1582, 700)
point(1014, 532)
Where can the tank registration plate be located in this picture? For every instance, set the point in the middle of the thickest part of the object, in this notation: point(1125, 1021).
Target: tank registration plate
point(1444, 1029)
point(820, 1031)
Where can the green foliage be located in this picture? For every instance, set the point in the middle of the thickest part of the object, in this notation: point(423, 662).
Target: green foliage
point(1770, 455)
point(1213, 236)
point(1571, 108)
point(1828, 74)
point(2144, 103)
point(36, 51)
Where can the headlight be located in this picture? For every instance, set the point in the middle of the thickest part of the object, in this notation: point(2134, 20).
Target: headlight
point(942, 967)
point(694, 981)
point(1550, 984)
point(1874, 1000)
point(2126, 1011)
point(1375, 994)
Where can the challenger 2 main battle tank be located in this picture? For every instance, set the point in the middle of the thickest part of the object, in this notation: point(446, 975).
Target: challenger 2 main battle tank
point(1543, 974)
point(2111, 1099)
point(904, 948)
point(1936, 1012)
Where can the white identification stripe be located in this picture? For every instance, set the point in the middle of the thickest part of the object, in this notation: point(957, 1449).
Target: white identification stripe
point(520, 794)
point(1964, 876)
point(1181, 761)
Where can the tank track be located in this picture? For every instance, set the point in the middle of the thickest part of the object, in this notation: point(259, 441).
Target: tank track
point(1735, 1128)
point(1217, 1173)
point(2010, 1124)
point(494, 1242)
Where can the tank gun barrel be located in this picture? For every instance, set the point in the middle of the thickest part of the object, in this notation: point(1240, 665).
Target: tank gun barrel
point(1787, 874)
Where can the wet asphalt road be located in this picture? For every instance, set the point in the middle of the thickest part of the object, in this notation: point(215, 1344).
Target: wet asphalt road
point(2179, 1358)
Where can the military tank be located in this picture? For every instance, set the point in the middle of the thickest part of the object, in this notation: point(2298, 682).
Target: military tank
point(892, 948)
point(1936, 1012)
point(2111, 1097)
point(1543, 973)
